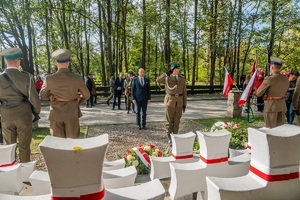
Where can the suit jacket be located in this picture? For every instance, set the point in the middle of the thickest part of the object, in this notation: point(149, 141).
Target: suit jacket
point(174, 86)
point(275, 85)
point(119, 83)
point(296, 96)
point(26, 85)
point(138, 92)
point(65, 85)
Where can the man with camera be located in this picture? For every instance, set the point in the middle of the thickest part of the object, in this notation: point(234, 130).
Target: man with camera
point(19, 100)
point(175, 99)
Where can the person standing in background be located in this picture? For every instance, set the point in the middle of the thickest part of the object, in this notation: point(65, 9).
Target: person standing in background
point(17, 92)
point(62, 88)
point(273, 89)
point(89, 85)
point(118, 90)
point(293, 75)
point(141, 97)
point(38, 84)
point(127, 86)
point(111, 89)
point(259, 100)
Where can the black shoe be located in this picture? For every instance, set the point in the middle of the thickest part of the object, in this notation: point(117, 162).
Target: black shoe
point(119, 108)
point(107, 102)
point(113, 108)
point(139, 127)
point(144, 127)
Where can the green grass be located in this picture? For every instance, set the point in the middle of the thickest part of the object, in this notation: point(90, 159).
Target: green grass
point(40, 133)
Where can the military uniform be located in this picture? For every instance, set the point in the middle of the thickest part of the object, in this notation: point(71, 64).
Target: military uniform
point(62, 90)
point(111, 89)
point(274, 88)
point(295, 100)
point(127, 87)
point(175, 100)
point(16, 113)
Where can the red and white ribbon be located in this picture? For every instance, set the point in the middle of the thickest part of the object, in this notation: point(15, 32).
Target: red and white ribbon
point(142, 155)
point(182, 157)
point(8, 164)
point(94, 196)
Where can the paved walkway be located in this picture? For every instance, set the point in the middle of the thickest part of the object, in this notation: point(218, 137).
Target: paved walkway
point(198, 107)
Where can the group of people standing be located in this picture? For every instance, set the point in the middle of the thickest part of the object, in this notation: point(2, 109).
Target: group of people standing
point(278, 95)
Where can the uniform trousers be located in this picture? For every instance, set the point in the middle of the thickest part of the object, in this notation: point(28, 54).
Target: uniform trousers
point(65, 129)
point(19, 130)
point(173, 115)
point(274, 119)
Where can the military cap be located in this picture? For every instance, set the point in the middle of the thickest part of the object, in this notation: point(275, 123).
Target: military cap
point(294, 72)
point(11, 53)
point(276, 61)
point(130, 72)
point(175, 65)
point(61, 55)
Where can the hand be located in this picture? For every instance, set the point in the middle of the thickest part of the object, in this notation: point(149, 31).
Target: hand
point(134, 102)
point(169, 72)
point(183, 109)
point(149, 101)
point(296, 112)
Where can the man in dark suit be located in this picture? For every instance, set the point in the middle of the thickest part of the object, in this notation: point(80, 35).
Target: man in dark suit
point(141, 97)
point(118, 89)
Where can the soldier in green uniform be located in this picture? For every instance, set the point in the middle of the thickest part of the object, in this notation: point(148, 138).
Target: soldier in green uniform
point(62, 89)
point(111, 89)
point(16, 111)
point(274, 89)
point(127, 87)
point(175, 99)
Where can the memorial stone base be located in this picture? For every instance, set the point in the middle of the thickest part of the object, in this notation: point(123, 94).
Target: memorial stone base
point(233, 110)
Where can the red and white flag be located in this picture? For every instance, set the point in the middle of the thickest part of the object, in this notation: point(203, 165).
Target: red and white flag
point(227, 83)
point(255, 68)
point(248, 89)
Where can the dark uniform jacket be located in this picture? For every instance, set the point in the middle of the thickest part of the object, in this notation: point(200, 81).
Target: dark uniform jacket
point(65, 85)
point(296, 96)
point(138, 92)
point(26, 85)
point(275, 85)
point(176, 93)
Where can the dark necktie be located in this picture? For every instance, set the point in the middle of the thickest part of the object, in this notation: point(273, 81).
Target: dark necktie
point(142, 82)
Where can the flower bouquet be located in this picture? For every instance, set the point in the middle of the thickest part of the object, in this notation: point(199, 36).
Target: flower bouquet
point(139, 157)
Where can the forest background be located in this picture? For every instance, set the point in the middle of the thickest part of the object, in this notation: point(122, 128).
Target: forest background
point(110, 36)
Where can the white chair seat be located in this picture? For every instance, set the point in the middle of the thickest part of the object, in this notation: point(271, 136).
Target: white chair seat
point(119, 178)
point(40, 183)
point(152, 190)
point(10, 179)
point(112, 165)
point(16, 197)
point(274, 169)
point(27, 169)
point(182, 152)
point(7, 154)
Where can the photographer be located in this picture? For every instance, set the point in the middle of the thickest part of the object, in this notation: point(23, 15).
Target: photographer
point(175, 99)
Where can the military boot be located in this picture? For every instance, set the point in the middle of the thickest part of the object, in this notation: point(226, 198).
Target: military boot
point(128, 109)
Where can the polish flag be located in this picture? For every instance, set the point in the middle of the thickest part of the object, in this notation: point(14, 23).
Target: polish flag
point(248, 89)
point(254, 68)
point(228, 82)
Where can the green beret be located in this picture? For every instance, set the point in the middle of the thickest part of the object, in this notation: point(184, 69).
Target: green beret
point(61, 55)
point(130, 72)
point(11, 53)
point(175, 65)
point(276, 61)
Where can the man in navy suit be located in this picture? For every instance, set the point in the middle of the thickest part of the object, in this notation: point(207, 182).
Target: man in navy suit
point(141, 97)
point(118, 89)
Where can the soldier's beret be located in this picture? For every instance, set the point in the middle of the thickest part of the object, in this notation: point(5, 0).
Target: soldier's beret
point(276, 61)
point(175, 65)
point(130, 72)
point(61, 55)
point(11, 53)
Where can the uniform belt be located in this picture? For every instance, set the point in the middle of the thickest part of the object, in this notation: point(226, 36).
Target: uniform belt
point(12, 102)
point(274, 98)
point(55, 99)
point(175, 95)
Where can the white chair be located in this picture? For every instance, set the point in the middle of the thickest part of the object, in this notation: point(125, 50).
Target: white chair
point(27, 169)
point(213, 160)
point(75, 166)
point(119, 178)
point(152, 190)
point(10, 179)
point(40, 183)
point(16, 197)
point(274, 169)
point(112, 165)
point(182, 152)
point(7, 154)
